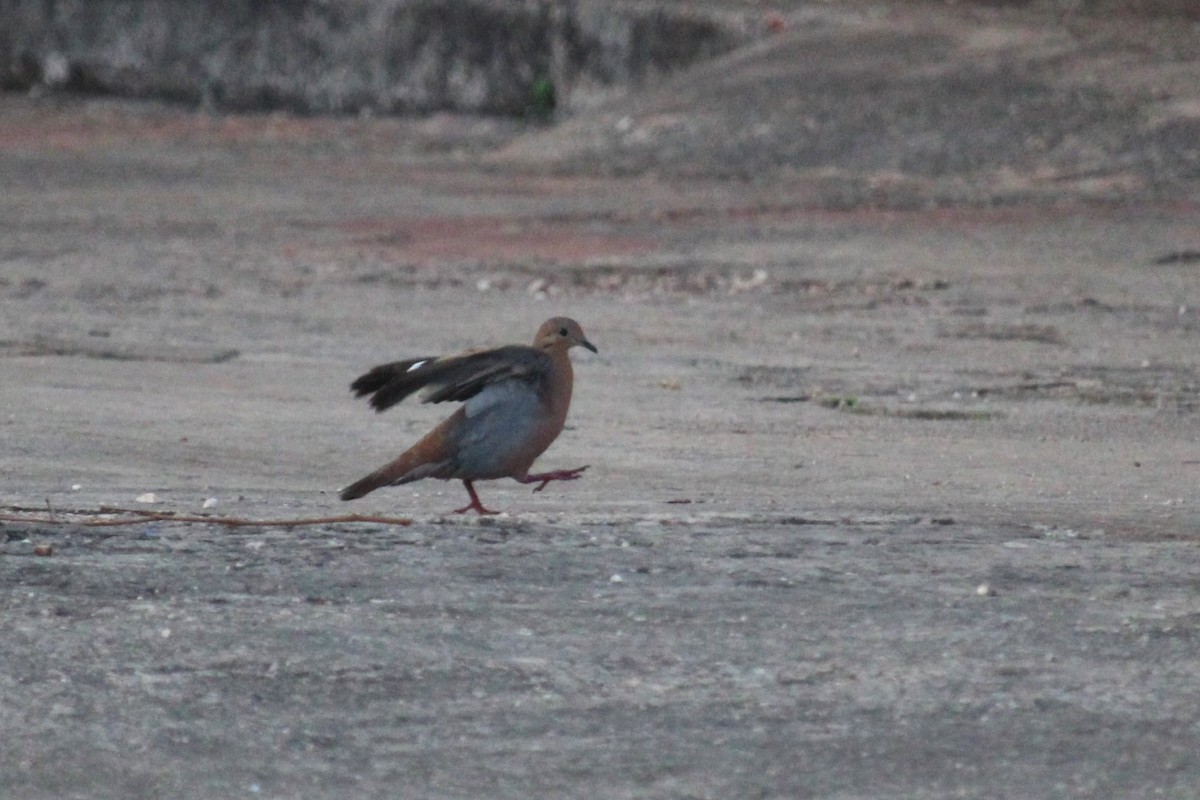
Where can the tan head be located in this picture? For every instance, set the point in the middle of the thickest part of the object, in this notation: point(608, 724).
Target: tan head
point(561, 332)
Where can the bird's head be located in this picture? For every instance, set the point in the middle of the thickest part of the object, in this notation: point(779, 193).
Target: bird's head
point(561, 332)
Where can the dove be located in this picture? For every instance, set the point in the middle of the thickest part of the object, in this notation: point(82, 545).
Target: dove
point(514, 405)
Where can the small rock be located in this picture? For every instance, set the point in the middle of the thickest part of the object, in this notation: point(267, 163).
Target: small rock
point(756, 279)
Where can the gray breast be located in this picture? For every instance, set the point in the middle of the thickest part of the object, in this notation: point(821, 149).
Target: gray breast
point(501, 423)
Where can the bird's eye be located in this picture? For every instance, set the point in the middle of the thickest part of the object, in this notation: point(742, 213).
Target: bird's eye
point(562, 331)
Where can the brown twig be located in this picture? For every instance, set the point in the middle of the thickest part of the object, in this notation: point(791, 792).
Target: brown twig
point(141, 515)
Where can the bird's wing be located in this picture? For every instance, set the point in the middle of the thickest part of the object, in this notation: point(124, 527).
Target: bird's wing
point(384, 374)
point(454, 378)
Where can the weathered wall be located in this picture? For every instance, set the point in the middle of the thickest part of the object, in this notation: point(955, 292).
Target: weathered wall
point(349, 55)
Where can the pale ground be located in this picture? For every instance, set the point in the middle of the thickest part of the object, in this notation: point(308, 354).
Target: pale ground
point(881, 503)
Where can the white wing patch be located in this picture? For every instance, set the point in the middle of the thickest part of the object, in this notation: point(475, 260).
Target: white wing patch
point(417, 365)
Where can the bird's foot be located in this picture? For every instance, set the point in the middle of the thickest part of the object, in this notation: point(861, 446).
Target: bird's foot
point(543, 478)
point(477, 507)
point(474, 505)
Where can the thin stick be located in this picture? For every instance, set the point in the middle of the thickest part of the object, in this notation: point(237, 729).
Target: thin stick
point(170, 516)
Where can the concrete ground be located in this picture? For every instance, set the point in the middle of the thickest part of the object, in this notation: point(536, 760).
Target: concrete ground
point(892, 471)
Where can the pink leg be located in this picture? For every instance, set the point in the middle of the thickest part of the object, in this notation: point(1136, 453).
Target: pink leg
point(475, 505)
point(545, 477)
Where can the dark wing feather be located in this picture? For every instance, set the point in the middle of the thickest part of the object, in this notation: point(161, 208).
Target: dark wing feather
point(454, 378)
point(382, 375)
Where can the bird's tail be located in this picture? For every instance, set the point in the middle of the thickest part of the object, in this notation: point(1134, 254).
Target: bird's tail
point(391, 473)
point(428, 458)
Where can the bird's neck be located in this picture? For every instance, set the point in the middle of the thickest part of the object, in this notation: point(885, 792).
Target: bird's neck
point(561, 380)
